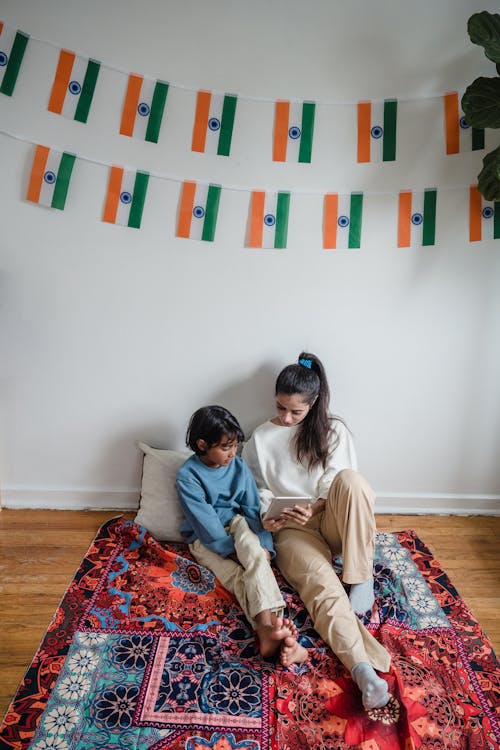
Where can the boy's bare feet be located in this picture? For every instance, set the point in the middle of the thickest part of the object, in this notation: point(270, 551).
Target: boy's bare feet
point(271, 636)
point(292, 652)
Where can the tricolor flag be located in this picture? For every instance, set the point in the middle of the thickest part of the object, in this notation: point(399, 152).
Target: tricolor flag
point(74, 85)
point(417, 217)
point(293, 131)
point(125, 198)
point(459, 136)
point(198, 209)
point(268, 225)
point(377, 126)
point(213, 123)
point(12, 47)
point(50, 176)
point(143, 108)
point(342, 217)
point(484, 217)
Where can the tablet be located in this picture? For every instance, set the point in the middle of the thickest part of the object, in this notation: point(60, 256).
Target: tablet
point(278, 505)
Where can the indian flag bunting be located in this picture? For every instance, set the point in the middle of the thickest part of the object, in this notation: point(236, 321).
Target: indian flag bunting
point(268, 225)
point(293, 131)
point(74, 85)
point(198, 209)
point(377, 126)
point(213, 123)
point(50, 176)
point(342, 218)
point(125, 197)
point(459, 136)
point(417, 217)
point(484, 217)
point(12, 48)
point(143, 108)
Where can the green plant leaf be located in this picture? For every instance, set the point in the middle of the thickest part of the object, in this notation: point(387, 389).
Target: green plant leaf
point(481, 103)
point(488, 181)
point(484, 29)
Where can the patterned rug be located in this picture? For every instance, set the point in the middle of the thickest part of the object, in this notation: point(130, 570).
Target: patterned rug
point(147, 650)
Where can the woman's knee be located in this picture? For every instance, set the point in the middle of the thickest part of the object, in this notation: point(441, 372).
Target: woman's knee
point(351, 482)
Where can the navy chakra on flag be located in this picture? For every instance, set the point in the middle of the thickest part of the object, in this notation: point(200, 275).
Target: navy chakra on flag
point(3, 58)
point(143, 109)
point(343, 221)
point(377, 131)
point(213, 123)
point(294, 132)
point(417, 219)
point(125, 197)
point(49, 177)
point(74, 87)
point(269, 220)
point(464, 124)
point(198, 212)
point(487, 212)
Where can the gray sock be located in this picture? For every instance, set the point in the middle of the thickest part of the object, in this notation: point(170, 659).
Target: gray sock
point(373, 688)
point(361, 596)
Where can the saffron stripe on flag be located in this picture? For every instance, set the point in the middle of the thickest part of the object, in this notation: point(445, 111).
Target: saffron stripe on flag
point(37, 172)
point(186, 209)
point(451, 122)
point(404, 218)
point(61, 81)
point(330, 218)
point(257, 218)
point(200, 121)
point(131, 103)
point(281, 118)
point(156, 113)
point(12, 60)
point(475, 214)
point(306, 137)
point(282, 211)
point(364, 127)
point(113, 195)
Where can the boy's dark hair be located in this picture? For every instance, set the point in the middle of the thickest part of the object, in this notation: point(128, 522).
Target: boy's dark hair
point(211, 424)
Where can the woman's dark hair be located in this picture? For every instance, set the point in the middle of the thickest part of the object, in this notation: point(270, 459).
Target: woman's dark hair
point(211, 424)
point(308, 379)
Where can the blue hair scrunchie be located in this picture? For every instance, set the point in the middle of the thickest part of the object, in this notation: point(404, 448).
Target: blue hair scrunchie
point(306, 363)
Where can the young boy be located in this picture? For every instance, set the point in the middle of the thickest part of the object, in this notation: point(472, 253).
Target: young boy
point(223, 528)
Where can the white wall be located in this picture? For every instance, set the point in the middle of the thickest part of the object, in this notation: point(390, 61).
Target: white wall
point(112, 335)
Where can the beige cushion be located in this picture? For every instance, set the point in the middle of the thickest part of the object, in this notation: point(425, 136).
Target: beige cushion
point(159, 509)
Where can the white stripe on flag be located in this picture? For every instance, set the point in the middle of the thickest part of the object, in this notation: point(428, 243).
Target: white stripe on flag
point(145, 98)
point(294, 132)
point(417, 218)
point(76, 79)
point(50, 177)
point(270, 210)
point(126, 195)
point(199, 211)
point(214, 123)
point(377, 132)
point(343, 221)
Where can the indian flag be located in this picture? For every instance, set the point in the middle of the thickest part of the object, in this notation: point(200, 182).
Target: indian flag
point(74, 85)
point(213, 123)
point(459, 136)
point(484, 217)
point(293, 131)
point(342, 217)
point(143, 108)
point(268, 225)
point(377, 126)
point(198, 209)
point(50, 176)
point(417, 217)
point(12, 47)
point(125, 198)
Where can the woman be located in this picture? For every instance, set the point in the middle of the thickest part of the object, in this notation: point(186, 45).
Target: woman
point(304, 451)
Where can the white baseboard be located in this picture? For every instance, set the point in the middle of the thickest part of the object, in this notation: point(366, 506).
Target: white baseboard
point(127, 498)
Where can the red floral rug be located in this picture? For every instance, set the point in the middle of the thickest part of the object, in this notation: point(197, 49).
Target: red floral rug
point(147, 650)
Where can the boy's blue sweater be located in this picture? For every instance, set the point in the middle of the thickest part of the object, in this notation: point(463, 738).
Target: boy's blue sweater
point(210, 498)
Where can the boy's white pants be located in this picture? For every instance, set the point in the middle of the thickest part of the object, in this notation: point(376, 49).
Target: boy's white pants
point(251, 580)
point(304, 555)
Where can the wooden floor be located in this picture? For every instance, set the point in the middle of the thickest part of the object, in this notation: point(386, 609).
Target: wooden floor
point(41, 550)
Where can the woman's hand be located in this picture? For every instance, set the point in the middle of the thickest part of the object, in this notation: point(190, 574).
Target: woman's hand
point(274, 525)
point(298, 514)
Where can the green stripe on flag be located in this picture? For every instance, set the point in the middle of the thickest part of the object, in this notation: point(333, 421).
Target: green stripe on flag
point(355, 216)
point(226, 126)
point(429, 223)
point(88, 86)
point(496, 220)
point(14, 64)
point(62, 180)
point(138, 198)
point(306, 137)
point(477, 139)
point(282, 208)
point(390, 121)
point(211, 211)
point(156, 114)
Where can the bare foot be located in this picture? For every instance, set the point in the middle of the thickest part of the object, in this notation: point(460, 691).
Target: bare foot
point(271, 636)
point(292, 652)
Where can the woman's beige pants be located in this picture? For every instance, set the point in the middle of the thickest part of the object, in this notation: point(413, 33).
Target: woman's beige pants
point(304, 556)
point(251, 580)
